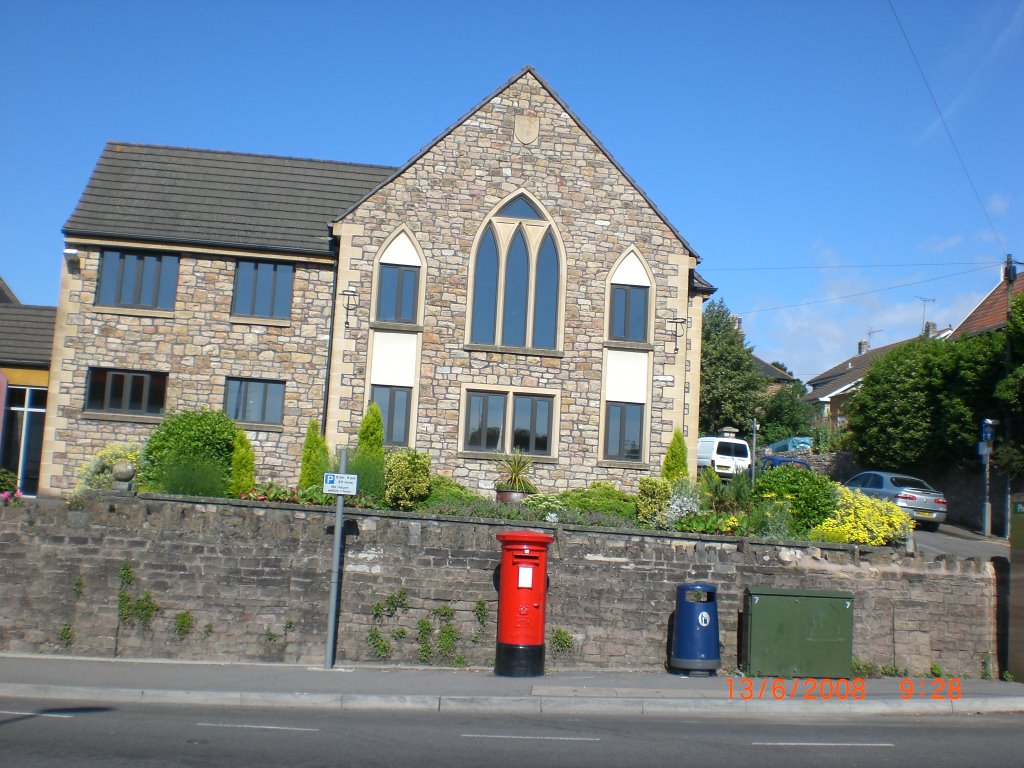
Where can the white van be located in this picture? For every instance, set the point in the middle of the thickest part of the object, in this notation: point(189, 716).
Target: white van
point(728, 456)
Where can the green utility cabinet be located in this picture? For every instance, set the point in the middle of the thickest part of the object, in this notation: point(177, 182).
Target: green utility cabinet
point(797, 633)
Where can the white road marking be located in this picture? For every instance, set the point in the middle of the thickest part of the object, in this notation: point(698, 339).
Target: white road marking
point(257, 727)
point(818, 744)
point(35, 714)
point(526, 738)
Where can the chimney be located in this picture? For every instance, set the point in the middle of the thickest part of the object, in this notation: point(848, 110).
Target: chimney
point(929, 329)
point(737, 323)
point(862, 346)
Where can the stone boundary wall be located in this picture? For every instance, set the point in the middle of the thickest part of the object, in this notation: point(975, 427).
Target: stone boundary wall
point(256, 580)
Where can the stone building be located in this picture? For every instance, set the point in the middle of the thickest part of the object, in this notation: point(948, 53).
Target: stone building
point(509, 286)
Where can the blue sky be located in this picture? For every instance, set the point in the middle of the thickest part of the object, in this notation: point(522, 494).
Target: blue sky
point(794, 135)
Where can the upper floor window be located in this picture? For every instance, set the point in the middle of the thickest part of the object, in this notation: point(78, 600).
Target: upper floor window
point(398, 281)
point(137, 280)
point(516, 280)
point(132, 392)
point(254, 401)
point(263, 289)
point(629, 300)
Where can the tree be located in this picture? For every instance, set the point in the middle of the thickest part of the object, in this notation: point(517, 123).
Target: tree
point(730, 384)
point(316, 458)
point(785, 413)
point(920, 404)
point(371, 433)
point(675, 464)
point(1009, 454)
point(243, 465)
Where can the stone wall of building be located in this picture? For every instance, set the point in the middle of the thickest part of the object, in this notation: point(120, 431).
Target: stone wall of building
point(256, 580)
point(198, 345)
point(444, 199)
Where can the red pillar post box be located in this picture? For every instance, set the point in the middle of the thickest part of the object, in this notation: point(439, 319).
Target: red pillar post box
point(522, 593)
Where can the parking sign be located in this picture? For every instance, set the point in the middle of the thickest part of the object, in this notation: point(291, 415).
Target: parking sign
point(340, 485)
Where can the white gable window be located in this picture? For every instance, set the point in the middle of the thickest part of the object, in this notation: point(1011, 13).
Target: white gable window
point(517, 273)
point(629, 300)
point(398, 281)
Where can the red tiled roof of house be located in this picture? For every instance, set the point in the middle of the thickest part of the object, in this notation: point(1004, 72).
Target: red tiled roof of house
point(990, 314)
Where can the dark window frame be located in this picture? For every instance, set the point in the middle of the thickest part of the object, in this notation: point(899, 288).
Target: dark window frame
point(391, 417)
point(618, 452)
point(400, 270)
point(533, 401)
point(242, 397)
point(485, 397)
point(248, 309)
point(629, 293)
point(111, 280)
point(128, 379)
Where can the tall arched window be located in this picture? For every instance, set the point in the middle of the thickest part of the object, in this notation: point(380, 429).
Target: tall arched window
point(517, 280)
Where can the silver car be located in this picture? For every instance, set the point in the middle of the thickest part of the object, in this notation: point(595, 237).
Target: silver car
point(912, 494)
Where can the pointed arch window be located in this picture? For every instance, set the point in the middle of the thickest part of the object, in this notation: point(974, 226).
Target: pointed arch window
point(517, 280)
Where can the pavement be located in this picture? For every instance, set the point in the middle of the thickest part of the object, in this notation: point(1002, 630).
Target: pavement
point(347, 687)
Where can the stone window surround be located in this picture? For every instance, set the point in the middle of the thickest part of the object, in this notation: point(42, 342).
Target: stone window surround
point(258, 264)
point(652, 290)
point(165, 261)
point(645, 444)
point(509, 392)
point(421, 284)
point(547, 219)
point(244, 381)
point(127, 374)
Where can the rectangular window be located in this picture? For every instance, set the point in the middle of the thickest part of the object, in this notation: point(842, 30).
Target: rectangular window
point(485, 424)
point(624, 431)
point(396, 297)
point(531, 424)
point(629, 313)
point(263, 289)
point(126, 391)
point(394, 409)
point(137, 281)
point(252, 401)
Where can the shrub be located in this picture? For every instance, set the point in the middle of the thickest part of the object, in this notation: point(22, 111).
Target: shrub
point(316, 458)
point(195, 476)
point(652, 502)
point(514, 472)
point(406, 478)
point(770, 519)
point(812, 497)
point(243, 465)
point(675, 464)
point(186, 436)
point(444, 491)
point(369, 468)
point(685, 499)
point(371, 432)
point(861, 519)
point(8, 481)
point(600, 504)
point(97, 474)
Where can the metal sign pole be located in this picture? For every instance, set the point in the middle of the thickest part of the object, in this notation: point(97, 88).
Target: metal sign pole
point(336, 565)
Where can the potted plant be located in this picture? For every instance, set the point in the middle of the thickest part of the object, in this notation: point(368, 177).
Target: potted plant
point(514, 477)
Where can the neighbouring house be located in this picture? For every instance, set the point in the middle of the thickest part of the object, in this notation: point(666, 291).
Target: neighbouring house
point(832, 389)
point(510, 286)
point(990, 314)
point(25, 346)
point(776, 377)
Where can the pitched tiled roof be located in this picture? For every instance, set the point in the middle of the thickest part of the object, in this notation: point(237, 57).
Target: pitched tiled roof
point(848, 372)
point(699, 285)
point(990, 314)
point(228, 199)
point(770, 372)
point(28, 334)
point(6, 294)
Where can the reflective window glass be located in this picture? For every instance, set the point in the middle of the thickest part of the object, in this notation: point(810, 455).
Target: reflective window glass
point(545, 307)
point(517, 279)
point(485, 290)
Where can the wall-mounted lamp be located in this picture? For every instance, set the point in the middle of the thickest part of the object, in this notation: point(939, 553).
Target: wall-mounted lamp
point(71, 258)
point(678, 328)
point(351, 301)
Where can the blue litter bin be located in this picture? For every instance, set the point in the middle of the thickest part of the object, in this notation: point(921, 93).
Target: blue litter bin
point(695, 644)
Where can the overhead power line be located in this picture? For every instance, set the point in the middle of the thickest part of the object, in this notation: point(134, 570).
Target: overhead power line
point(853, 266)
point(861, 293)
point(945, 127)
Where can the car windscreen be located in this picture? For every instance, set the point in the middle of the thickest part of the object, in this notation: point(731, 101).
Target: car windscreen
point(905, 481)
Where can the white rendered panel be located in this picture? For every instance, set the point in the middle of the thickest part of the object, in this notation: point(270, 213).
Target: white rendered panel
point(626, 377)
point(401, 251)
point(394, 360)
point(631, 272)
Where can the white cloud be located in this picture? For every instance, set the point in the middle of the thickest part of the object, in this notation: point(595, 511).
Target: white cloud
point(998, 205)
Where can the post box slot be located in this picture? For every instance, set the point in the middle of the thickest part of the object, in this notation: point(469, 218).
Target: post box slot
point(533, 559)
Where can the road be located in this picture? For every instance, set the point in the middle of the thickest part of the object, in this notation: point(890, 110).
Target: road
point(33, 735)
point(950, 541)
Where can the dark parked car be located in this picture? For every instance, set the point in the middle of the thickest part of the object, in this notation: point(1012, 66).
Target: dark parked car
point(912, 494)
point(770, 462)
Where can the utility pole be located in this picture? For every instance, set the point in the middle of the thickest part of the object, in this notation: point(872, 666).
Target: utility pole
point(1009, 277)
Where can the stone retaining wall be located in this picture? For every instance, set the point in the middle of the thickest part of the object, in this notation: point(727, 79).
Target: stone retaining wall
point(255, 580)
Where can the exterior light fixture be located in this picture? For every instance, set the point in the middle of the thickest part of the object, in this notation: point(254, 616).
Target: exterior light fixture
point(71, 258)
point(351, 301)
point(679, 326)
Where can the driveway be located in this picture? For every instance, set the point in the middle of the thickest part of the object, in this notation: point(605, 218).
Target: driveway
point(951, 540)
